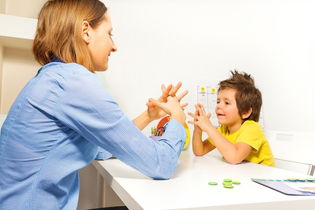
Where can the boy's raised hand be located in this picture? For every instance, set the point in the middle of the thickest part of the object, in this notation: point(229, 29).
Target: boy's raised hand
point(195, 116)
point(201, 118)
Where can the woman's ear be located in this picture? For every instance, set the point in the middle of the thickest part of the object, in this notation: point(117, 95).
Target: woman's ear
point(247, 114)
point(85, 31)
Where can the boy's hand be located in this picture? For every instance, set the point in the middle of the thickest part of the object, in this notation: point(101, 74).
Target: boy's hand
point(195, 116)
point(201, 119)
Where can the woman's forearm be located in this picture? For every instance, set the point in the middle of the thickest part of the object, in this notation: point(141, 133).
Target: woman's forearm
point(142, 120)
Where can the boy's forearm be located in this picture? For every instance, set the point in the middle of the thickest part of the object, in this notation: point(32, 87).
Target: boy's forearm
point(197, 143)
point(226, 148)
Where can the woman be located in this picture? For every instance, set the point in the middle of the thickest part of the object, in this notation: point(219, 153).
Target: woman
point(63, 116)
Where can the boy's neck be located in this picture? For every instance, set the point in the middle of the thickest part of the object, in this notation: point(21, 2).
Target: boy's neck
point(234, 127)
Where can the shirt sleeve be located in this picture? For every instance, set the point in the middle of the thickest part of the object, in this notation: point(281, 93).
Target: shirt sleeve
point(103, 154)
point(86, 107)
point(250, 135)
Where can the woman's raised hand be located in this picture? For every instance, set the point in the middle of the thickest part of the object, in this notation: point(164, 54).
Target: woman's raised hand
point(171, 107)
point(156, 112)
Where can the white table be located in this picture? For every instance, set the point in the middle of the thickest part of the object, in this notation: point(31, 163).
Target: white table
point(189, 189)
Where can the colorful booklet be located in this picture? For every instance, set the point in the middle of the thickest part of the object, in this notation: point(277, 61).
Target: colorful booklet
point(304, 187)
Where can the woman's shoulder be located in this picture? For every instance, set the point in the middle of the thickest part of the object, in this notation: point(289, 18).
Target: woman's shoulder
point(63, 73)
point(67, 76)
point(66, 68)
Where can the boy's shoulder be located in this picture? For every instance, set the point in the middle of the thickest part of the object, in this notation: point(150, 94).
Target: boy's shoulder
point(251, 125)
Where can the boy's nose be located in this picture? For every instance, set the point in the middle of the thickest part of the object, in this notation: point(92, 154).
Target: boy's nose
point(114, 48)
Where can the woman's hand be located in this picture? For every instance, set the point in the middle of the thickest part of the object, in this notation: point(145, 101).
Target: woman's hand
point(155, 112)
point(171, 107)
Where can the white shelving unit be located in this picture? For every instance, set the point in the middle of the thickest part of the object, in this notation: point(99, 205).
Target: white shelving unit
point(17, 64)
point(17, 32)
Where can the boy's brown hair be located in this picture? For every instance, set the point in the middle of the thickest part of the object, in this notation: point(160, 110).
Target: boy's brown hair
point(247, 96)
point(58, 33)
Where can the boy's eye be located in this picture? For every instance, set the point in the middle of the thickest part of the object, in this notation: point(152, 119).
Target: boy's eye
point(227, 103)
point(110, 35)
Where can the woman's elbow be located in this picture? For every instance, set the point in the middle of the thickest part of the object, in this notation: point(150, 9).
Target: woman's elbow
point(165, 169)
point(164, 173)
point(162, 177)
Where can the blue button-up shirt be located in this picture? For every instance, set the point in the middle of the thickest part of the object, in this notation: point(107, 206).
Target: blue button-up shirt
point(57, 125)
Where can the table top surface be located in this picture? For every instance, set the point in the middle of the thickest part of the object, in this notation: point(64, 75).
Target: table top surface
point(189, 189)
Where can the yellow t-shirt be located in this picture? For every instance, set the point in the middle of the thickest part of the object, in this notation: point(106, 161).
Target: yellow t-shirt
point(251, 133)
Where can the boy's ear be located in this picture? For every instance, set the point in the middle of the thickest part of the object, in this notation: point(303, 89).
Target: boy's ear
point(85, 32)
point(247, 114)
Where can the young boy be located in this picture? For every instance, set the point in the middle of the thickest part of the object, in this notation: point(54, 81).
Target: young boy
point(239, 137)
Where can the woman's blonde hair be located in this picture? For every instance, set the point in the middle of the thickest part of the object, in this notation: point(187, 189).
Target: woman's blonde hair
point(58, 33)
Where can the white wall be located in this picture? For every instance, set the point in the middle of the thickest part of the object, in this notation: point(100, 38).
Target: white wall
point(19, 67)
point(25, 8)
point(200, 41)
